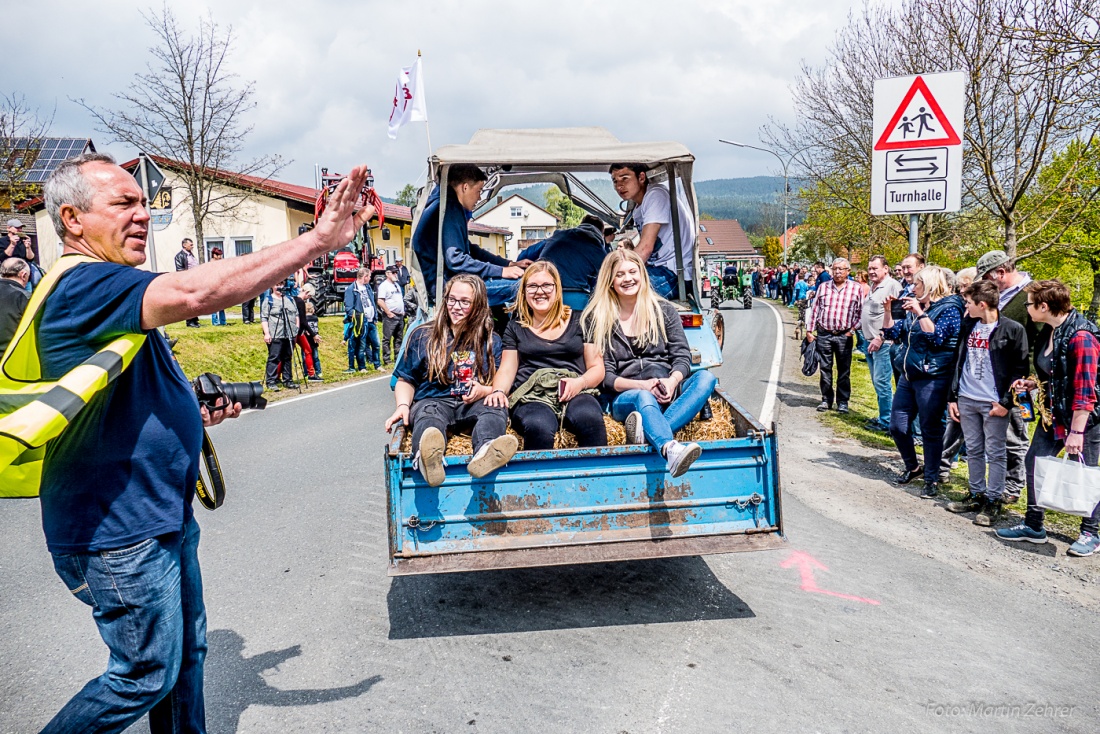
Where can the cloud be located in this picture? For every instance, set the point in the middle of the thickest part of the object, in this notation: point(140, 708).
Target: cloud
point(691, 71)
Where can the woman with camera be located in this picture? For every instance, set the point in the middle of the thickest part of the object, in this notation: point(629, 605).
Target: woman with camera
point(646, 358)
point(444, 377)
point(555, 366)
point(928, 335)
point(1067, 350)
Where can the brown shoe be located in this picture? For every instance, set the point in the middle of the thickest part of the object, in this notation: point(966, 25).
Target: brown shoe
point(991, 512)
point(492, 456)
point(971, 503)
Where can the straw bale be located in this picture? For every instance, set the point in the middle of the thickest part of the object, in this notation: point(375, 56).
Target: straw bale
point(718, 428)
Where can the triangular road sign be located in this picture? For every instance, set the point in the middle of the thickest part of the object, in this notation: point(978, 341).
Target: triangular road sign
point(918, 122)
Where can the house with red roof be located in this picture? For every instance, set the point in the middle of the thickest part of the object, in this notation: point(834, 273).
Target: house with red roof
point(723, 242)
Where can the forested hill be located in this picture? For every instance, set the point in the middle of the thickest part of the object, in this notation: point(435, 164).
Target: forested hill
point(749, 200)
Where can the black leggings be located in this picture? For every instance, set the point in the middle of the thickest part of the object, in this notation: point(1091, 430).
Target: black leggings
point(537, 423)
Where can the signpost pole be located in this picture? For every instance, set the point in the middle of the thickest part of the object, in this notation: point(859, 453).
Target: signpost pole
point(914, 223)
point(143, 177)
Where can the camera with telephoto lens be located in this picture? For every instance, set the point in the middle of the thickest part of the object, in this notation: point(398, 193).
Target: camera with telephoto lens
point(218, 395)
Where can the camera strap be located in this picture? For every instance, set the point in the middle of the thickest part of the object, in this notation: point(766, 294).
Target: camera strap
point(210, 489)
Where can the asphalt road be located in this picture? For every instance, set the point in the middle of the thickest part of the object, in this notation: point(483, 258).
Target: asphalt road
point(307, 633)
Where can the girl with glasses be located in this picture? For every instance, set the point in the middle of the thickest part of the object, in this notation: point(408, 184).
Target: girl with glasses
point(554, 364)
point(647, 361)
point(443, 380)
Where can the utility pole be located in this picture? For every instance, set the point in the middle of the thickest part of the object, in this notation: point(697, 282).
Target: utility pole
point(786, 183)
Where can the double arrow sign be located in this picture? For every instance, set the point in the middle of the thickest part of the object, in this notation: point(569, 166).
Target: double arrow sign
point(924, 164)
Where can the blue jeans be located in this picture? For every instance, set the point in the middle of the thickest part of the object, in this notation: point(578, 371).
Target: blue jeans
point(659, 426)
point(663, 280)
point(364, 347)
point(501, 291)
point(924, 400)
point(878, 364)
point(147, 603)
point(218, 319)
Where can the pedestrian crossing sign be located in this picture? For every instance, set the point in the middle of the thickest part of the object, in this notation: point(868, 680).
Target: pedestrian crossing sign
point(916, 155)
point(918, 122)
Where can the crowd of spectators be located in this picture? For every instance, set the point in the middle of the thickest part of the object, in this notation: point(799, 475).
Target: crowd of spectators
point(961, 363)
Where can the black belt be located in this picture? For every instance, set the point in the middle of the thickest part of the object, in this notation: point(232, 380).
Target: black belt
point(828, 332)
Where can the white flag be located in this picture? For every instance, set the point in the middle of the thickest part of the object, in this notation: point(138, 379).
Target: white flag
point(408, 99)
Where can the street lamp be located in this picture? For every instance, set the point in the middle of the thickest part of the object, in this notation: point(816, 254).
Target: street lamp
point(786, 186)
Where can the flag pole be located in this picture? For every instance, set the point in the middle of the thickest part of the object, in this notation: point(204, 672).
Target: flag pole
point(427, 129)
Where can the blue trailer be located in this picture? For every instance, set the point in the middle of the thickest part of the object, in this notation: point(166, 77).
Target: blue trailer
point(567, 506)
point(590, 505)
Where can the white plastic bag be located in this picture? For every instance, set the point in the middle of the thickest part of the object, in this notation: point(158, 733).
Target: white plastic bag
point(1067, 485)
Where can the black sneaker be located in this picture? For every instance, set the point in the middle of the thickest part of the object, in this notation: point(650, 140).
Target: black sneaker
point(315, 378)
point(931, 490)
point(823, 407)
point(842, 407)
point(970, 504)
point(907, 476)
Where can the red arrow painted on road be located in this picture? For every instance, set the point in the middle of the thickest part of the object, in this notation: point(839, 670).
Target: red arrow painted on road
point(806, 565)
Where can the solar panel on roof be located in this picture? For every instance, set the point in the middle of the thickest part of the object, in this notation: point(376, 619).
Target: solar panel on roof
point(49, 153)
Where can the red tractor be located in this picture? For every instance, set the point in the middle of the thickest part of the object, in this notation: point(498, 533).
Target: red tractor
point(332, 273)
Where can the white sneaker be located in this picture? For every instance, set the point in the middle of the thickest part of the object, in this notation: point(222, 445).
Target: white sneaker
point(633, 426)
point(680, 456)
point(492, 456)
point(429, 456)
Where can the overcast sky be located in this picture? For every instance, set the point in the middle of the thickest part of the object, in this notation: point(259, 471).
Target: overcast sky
point(684, 70)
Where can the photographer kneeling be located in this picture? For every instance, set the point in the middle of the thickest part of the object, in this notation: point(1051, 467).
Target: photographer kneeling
point(117, 484)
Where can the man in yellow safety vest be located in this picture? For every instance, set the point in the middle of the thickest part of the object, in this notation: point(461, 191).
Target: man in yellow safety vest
point(117, 483)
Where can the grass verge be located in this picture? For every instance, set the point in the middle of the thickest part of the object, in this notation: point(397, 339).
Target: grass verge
point(238, 353)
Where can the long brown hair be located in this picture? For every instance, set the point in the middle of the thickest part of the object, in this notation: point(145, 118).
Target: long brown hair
point(559, 312)
point(474, 333)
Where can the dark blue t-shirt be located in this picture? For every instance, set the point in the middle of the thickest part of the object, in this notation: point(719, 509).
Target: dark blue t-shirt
point(125, 469)
point(413, 367)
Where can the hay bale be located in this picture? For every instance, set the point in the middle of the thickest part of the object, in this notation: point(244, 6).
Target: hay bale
point(719, 428)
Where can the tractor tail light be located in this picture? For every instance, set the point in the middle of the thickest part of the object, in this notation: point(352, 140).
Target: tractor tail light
point(691, 320)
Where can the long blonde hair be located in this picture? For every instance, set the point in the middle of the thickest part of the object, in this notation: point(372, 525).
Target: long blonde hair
point(602, 314)
point(559, 312)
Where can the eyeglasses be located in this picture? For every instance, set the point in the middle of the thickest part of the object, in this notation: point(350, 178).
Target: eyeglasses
point(534, 288)
point(1031, 304)
point(461, 303)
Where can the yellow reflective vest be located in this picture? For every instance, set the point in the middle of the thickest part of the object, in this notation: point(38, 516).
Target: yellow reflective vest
point(34, 410)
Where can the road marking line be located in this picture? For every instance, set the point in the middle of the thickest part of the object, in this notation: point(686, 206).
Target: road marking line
point(326, 392)
point(773, 379)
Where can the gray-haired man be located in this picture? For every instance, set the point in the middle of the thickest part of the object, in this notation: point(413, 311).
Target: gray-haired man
point(14, 275)
point(117, 485)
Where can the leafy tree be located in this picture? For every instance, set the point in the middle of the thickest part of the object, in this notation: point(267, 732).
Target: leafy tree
point(406, 196)
point(187, 106)
point(772, 251)
point(1069, 194)
point(561, 206)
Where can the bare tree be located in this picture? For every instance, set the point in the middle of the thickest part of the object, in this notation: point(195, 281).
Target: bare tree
point(1025, 99)
point(22, 130)
point(187, 107)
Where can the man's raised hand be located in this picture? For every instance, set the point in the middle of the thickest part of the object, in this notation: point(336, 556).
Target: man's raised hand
point(339, 222)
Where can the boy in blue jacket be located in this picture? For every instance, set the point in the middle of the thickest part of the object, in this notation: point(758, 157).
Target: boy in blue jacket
point(501, 275)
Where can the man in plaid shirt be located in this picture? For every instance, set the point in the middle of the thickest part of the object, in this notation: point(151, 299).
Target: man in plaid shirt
point(830, 326)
